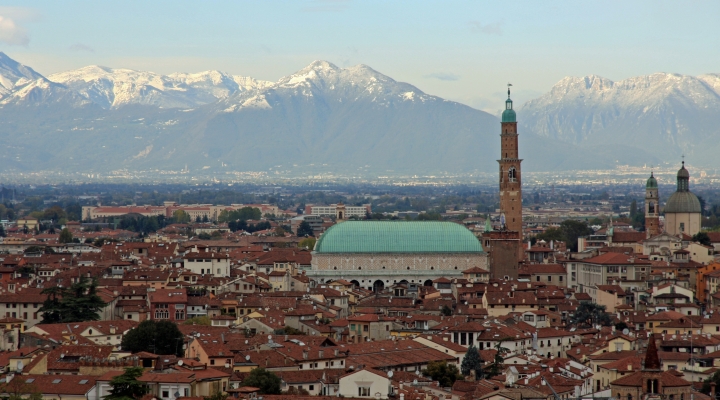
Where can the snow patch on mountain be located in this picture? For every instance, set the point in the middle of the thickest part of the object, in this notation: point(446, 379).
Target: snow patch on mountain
point(112, 88)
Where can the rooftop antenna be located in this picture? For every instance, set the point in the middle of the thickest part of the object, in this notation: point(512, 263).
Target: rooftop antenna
point(509, 84)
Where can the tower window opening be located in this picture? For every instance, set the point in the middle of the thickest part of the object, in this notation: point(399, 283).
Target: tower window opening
point(512, 174)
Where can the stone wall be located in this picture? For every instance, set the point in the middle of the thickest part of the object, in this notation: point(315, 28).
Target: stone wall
point(367, 269)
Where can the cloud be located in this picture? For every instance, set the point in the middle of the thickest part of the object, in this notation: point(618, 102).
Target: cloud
point(326, 6)
point(81, 47)
point(11, 33)
point(494, 28)
point(443, 76)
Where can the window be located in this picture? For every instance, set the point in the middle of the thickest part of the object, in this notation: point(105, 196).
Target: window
point(682, 229)
point(165, 394)
point(363, 391)
point(311, 387)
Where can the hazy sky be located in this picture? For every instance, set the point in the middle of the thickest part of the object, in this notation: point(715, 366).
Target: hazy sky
point(460, 50)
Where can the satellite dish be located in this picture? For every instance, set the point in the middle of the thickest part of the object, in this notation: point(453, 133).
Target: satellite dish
point(247, 358)
point(176, 394)
point(269, 337)
point(415, 382)
point(626, 331)
point(62, 355)
point(19, 366)
point(227, 365)
point(180, 363)
point(390, 374)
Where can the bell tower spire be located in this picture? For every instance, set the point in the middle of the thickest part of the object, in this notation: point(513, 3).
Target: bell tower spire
point(652, 207)
point(510, 176)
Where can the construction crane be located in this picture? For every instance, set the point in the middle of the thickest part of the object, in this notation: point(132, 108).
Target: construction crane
point(557, 397)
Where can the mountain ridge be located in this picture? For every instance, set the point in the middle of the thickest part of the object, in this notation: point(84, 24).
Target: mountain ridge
point(352, 120)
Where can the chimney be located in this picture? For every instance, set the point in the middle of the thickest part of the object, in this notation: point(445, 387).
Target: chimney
point(305, 354)
point(712, 390)
point(629, 367)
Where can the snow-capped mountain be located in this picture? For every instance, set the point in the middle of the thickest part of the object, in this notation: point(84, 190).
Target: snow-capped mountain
point(333, 84)
point(327, 118)
point(663, 114)
point(14, 75)
point(112, 88)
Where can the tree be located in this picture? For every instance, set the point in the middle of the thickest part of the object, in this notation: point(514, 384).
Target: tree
point(305, 230)
point(127, 386)
point(715, 377)
point(620, 326)
point(65, 236)
point(181, 217)
point(429, 216)
point(217, 395)
point(159, 337)
point(198, 321)
point(471, 362)
point(572, 230)
point(279, 231)
point(440, 371)
point(590, 314)
point(77, 303)
point(307, 243)
point(446, 311)
point(702, 238)
point(498, 360)
point(555, 234)
point(268, 382)
point(2, 231)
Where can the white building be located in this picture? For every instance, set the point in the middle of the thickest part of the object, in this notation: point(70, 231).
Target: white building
point(202, 261)
point(331, 210)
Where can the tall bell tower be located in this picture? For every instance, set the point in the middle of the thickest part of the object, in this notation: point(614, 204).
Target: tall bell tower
point(510, 176)
point(652, 207)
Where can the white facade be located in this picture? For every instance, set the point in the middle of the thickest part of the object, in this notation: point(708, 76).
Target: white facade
point(329, 211)
point(364, 384)
point(208, 263)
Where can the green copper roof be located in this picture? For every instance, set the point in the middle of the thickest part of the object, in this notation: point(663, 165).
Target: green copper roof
point(509, 114)
point(398, 237)
point(651, 182)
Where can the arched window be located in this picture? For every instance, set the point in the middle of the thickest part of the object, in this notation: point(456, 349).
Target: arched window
point(512, 174)
point(651, 207)
point(629, 397)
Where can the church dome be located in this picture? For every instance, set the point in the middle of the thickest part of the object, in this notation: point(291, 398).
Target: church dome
point(682, 172)
point(651, 182)
point(682, 202)
point(398, 237)
point(509, 114)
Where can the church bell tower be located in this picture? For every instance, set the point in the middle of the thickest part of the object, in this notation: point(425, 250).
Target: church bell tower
point(510, 176)
point(652, 207)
